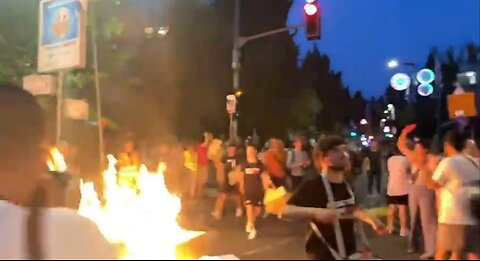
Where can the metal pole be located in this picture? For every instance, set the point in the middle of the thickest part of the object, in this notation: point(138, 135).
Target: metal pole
point(97, 91)
point(235, 65)
point(58, 138)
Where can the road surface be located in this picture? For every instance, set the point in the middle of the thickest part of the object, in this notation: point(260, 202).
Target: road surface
point(277, 239)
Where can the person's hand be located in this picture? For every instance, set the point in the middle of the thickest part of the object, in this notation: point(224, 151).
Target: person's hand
point(409, 128)
point(326, 215)
point(379, 227)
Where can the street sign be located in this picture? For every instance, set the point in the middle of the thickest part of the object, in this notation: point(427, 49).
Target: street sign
point(62, 35)
point(40, 84)
point(462, 105)
point(231, 104)
point(75, 109)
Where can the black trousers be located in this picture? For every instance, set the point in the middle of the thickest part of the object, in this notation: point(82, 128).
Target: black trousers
point(375, 176)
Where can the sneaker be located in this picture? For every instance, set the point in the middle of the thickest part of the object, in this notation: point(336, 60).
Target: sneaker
point(252, 234)
point(217, 215)
point(239, 213)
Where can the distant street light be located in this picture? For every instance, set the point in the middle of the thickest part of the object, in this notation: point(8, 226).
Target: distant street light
point(393, 64)
point(159, 32)
point(163, 30)
point(363, 122)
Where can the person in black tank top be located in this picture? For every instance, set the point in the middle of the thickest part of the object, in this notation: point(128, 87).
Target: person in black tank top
point(230, 162)
point(254, 179)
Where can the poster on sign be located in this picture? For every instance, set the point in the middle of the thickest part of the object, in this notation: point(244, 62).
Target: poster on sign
point(231, 104)
point(62, 35)
point(76, 109)
point(462, 105)
point(40, 84)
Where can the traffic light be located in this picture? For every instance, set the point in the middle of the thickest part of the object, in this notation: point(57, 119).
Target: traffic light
point(312, 20)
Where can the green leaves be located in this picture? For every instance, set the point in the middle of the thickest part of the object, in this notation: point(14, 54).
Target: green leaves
point(112, 28)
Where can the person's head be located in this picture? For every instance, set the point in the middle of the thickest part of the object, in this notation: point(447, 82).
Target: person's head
point(207, 137)
point(231, 149)
point(22, 139)
point(330, 154)
point(251, 151)
point(298, 144)
point(454, 142)
point(374, 145)
point(471, 148)
point(129, 146)
point(421, 149)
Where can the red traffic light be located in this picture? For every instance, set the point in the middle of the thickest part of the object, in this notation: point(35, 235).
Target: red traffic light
point(310, 9)
point(312, 20)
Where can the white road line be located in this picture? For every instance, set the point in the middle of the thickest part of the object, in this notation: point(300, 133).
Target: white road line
point(269, 247)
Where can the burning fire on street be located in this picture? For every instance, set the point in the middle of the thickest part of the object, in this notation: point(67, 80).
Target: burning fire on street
point(143, 222)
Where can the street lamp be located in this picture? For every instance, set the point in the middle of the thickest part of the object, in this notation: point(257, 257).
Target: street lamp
point(393, 64)
point(160, 31)
point(363, 122)
point(163, 31)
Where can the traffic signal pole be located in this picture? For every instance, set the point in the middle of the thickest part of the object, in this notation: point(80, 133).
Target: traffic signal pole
point(238, 43)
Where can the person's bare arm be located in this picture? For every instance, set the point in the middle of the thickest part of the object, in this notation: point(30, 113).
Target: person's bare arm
point(305, 213)
point(364, 216)
point(403, 141)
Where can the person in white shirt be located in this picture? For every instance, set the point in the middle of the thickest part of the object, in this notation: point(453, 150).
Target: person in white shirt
point(28, 230)
point(458, 231)
point(471, 148)
point(397, 190)
point(297, 161)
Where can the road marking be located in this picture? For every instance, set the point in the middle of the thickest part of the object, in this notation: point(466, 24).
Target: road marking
point(269, 247)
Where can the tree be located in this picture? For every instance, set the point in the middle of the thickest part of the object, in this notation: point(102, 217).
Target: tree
point(306, 108)
point(18, 39)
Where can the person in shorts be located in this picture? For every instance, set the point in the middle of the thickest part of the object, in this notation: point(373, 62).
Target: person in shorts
point(398, 187)
point(458, 231)
point(254, 183)
point(229, 164)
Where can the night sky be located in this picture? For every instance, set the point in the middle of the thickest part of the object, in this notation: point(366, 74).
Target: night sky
point(360, 36)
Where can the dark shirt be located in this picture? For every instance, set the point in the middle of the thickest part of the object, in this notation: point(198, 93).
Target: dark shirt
point(312, 194)
point(375, 158)
point(253, 180)
point(230, 162)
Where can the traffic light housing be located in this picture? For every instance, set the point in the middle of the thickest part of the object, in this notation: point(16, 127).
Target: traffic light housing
point(313, 27)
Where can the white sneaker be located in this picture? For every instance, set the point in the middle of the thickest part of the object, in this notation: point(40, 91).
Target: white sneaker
point(252, 234)
point(217, 215)
point(239, 213)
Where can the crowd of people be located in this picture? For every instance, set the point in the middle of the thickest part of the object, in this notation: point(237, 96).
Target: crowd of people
point(437, 192)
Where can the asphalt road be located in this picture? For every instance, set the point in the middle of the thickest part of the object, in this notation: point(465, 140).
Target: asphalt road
point(277, 239)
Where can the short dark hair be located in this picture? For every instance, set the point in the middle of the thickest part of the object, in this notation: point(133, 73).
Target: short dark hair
point(425, 143)
point(456, 139)
point(324, 145)
point(22, 127)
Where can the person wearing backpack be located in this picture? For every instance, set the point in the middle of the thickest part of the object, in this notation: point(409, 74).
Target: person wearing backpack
point(29, 229)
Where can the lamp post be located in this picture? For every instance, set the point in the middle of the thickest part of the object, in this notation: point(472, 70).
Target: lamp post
point(238, 43)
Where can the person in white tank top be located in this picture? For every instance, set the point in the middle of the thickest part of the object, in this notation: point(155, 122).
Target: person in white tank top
point(397, 191)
